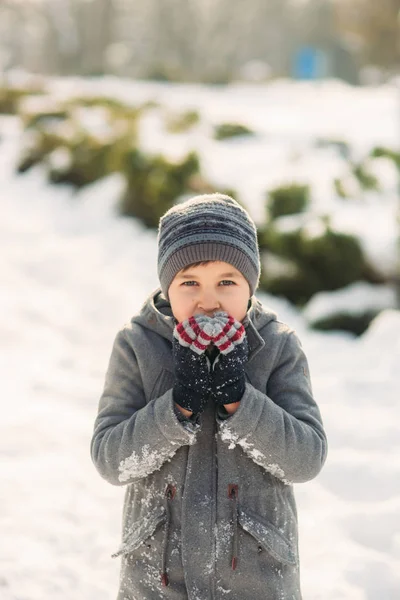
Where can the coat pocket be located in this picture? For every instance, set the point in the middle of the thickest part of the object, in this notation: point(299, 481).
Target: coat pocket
point(268, 536)
point(140, 531)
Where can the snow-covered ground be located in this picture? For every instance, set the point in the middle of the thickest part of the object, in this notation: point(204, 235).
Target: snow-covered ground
point(72, 273)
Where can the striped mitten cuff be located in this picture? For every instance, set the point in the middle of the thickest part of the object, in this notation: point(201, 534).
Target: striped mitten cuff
point(230, 332)
point(199, 331)
point(192, 334)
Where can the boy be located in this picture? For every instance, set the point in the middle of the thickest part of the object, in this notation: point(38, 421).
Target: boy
point(207, 416)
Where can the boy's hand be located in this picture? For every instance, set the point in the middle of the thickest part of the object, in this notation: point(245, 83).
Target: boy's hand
point(192, 385)
point(228, 375)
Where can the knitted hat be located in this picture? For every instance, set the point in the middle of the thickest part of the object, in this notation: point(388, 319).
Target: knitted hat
point(207, 227)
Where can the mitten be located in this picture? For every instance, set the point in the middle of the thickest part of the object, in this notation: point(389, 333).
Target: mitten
point(228, 375)
point(192, 385)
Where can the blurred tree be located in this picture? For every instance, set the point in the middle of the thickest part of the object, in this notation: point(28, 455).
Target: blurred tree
point(209, 40)
point(200, 40)
point(316, 25)
point(377, 27)
point(56, 36)
point(79, 33)
point(197, 40)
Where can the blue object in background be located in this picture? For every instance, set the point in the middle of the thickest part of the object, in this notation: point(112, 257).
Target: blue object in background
point(310, 63)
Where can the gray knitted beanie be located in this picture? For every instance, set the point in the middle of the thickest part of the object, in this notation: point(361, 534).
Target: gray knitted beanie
point(207, 227)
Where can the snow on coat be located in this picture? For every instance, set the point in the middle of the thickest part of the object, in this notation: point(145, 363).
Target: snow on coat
point(209, 510)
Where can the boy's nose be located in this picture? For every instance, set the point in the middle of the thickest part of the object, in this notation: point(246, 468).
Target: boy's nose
point(208, 304)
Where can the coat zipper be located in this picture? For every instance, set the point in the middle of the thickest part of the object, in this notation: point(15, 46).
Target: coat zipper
point(169, 495)
point(233, 495)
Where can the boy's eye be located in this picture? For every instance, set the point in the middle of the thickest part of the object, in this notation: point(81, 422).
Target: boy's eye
point(224, 282)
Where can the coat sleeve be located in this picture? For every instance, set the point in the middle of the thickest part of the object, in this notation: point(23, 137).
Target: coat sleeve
point(281, 430)
point(131, 439)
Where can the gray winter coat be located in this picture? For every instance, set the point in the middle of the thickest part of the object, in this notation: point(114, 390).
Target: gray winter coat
point(209, 504)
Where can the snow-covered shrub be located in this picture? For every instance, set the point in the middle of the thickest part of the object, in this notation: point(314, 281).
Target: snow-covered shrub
point(37, 143)
point(295, 285)
point(351, 308)
point(10, 98)
point(230, 130)
point(89, 162)
point(321, 258)
point(344, 321)
point(287, 200)
point(179, 123)
point(94, 132)
point(115, 109)
point(41, 110)
point(380, 151)
point(84, 139)
point(340, 188)
point(154, 183)
point(367, 180)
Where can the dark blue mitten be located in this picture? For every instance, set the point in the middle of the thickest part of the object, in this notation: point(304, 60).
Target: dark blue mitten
point(228, 378)
point(192, 385)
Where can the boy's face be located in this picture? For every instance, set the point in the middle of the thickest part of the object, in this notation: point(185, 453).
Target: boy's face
point(205, 289)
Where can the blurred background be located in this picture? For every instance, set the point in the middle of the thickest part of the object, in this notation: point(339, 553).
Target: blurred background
point(111, 111)
point(211, 42)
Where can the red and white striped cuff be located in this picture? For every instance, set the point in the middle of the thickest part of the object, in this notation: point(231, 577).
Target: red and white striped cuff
point(191, 335)
point(232, 334)
point(199, 331)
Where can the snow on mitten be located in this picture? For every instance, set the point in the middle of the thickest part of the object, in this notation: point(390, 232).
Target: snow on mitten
point(228, 375)
point(192, 384)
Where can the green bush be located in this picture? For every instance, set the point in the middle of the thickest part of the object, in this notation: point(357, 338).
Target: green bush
point(10, 98)
point(230, 130)
point(91, 160)
point(30, 120)
point(335, 257)
point(40, 143)
point(380, 151)
point(340, 188)
point(287, 244)
point(91, 157)
point(75, 155)
point(154, 183)
point(356, 324)
point(288, 200)
point(326, 262)
point(89, 163)
point(116, 108)
point(366, 179)
point(297, 287)
point(179, 123)
point(59, 164)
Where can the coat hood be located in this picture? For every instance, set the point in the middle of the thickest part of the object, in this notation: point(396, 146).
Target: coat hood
point(156, 315)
